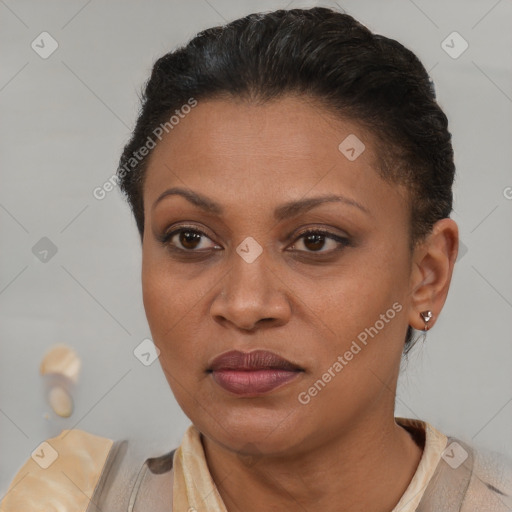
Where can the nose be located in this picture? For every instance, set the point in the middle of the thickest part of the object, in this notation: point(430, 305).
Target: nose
point(251, 294)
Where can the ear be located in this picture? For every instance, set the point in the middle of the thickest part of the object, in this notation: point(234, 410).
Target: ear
point(431, 272)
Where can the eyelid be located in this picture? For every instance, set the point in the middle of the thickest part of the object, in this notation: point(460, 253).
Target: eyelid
point(319, 229)
point(328, 231)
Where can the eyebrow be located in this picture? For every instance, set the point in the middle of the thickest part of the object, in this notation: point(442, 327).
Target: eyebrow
point(285, 211)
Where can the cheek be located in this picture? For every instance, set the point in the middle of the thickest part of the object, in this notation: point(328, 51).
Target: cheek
point(355, 365)
point(356, 298)
point(171, 313)
point(164, 292)
point(174, 305)
point(157, 297)
point(361, 310)
point(164, 299)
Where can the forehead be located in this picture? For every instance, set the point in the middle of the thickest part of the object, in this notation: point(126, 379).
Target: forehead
point(292, 127)
point(238, 151)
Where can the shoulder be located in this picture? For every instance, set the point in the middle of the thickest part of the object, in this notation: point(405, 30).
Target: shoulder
point(63, 469)
point(490, 486)
point(469, 479)
point(76, 468)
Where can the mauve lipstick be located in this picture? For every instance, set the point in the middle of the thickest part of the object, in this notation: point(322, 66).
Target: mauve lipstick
point(252, 373)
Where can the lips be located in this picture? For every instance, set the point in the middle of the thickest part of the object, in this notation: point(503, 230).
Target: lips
point(255, 360)
point(252, 373)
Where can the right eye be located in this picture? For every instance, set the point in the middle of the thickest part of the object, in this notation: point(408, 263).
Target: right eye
point(185, 239)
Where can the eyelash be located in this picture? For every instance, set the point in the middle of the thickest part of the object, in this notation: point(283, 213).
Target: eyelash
point(342, 241)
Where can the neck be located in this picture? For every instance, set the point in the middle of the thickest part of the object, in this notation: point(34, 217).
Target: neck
point(367, 468)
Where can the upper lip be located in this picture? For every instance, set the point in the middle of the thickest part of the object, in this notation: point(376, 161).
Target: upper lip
point(255, 360)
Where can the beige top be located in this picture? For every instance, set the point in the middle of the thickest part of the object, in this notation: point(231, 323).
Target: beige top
point(60, 475)
point(82, 472)
point(435, 444)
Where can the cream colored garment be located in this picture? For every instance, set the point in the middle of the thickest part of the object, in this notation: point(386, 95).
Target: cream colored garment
point(92, 473)
point(195, 490)
point(60, 476)
point(435, 444)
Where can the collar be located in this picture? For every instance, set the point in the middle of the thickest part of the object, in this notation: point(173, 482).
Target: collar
point(194, 486)
point(434, 445)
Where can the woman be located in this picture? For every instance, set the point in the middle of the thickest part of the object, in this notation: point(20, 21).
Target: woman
point(291, 178)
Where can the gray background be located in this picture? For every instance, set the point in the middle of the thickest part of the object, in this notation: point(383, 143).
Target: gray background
point(63, 124)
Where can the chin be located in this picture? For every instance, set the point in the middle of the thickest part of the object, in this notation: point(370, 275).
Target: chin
point(250, 430)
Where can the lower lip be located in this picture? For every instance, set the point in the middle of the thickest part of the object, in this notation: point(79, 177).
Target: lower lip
point(253, 382)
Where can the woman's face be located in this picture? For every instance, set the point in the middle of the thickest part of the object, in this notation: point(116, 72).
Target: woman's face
point(336, 305)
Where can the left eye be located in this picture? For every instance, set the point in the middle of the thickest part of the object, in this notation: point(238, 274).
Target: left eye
point(315, 240)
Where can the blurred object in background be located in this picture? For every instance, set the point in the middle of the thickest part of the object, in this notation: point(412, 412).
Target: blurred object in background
point(60, 369)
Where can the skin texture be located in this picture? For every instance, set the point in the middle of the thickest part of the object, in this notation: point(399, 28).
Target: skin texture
point(307, 302)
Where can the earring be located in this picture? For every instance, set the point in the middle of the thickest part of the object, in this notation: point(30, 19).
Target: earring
point(426, 315)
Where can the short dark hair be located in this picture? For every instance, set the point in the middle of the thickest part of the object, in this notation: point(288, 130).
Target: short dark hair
point(321, 54)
